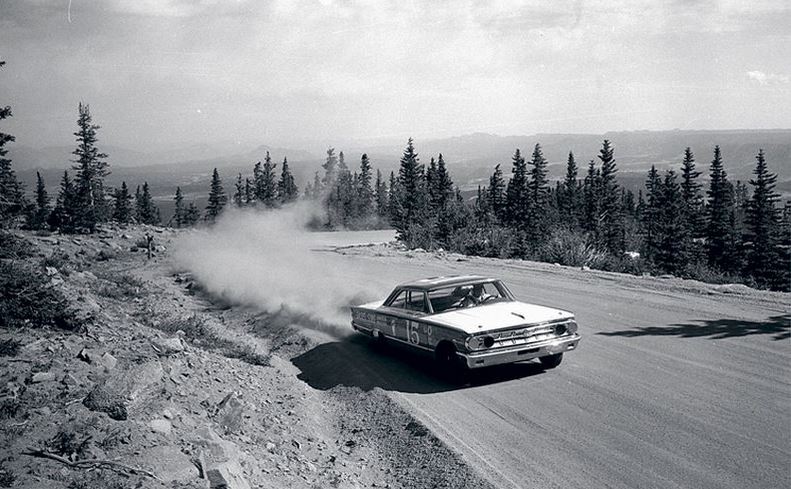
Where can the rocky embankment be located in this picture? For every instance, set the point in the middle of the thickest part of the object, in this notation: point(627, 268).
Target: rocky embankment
point(163, 386)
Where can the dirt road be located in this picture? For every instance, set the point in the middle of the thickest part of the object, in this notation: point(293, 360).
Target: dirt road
point(675, 384)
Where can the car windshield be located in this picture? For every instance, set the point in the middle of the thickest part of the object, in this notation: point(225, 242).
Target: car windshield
point(469, 295)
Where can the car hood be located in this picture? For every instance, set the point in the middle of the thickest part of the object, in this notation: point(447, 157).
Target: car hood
point(498, 316)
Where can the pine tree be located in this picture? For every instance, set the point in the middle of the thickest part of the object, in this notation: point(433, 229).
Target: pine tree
point(569, 194)
point(330, 169)
point(382, 198)
point(238, 195)
point(249, 192)
point(122, 204)
point(495, 194)
point(763, 225)
point(12, 195)
point(691, 195)
point(612, 218)
point(91, 169)
point(410, 196)
point(266, 186)
point(445, 190)
point(365, 193)
point(538, 198)
point(62, 216)
point(431, 184)
point(672, 253)
point(650, 214)
point(517, 202)
point(217, 198)
point(179, 213)
point(392, 202)
point(40, 214)
point(720, 210)
point(591, 221)
point(192, 215)
point(147, 211)
point(287, 190)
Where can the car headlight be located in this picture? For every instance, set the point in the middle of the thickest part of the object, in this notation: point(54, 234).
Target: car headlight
point(479, 342)
point(572, 327)
point(561, 329)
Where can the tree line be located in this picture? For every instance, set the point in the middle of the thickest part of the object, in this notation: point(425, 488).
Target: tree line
point(725, 232)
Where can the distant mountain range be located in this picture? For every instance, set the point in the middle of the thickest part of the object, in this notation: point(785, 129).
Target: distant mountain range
point(470, 158)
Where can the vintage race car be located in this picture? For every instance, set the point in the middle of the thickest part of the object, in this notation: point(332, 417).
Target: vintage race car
point(468, 321)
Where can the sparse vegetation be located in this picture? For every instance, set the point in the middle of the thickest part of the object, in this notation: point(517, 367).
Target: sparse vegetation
point(27, 299)
point(195, 329)
point(9, 347)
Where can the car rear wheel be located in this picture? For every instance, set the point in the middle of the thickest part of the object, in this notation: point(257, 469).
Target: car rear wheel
point(551, 361)
point(449, 363)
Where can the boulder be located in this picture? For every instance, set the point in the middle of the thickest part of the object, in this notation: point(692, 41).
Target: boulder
point(160, 426)
point(168, 346)
point(230, 412)
point(43, 377)
point(108, 361)
point(168, 463)
point(101, 399)
point(220, 461)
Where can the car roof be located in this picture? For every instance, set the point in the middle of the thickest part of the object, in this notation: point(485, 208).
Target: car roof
point(432, 283)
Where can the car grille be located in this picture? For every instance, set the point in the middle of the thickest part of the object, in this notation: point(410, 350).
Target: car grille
point(524, 335)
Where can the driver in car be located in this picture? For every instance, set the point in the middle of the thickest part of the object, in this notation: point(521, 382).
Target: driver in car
point(476, 296)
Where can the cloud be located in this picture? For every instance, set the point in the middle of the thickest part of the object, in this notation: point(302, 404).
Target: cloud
point(765, 79)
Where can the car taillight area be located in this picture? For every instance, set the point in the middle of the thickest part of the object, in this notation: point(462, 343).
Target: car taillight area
point(520, 336)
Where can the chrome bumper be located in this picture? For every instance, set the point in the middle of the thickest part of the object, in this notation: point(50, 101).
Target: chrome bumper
point(520, 353)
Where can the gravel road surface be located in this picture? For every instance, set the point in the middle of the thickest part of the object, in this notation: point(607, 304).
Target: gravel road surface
point(675, 383)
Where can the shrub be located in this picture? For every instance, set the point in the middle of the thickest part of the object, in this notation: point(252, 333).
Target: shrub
point(9, 348)
point(489, 241)
point(28, 299)
point(59, 260)
point(571, 248)
point(13, 246)
point(105, 255)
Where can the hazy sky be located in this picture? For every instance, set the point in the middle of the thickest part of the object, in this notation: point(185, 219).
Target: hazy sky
point(277, 72)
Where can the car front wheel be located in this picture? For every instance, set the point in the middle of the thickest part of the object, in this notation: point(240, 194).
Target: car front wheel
point(551, 361)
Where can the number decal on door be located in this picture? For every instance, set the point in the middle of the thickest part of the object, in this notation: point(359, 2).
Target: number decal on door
point(413, 332)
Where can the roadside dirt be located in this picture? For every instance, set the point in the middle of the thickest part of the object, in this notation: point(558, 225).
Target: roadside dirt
point(168, 387)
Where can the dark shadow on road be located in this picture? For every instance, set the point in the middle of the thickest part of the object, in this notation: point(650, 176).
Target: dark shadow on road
point(779, 326)
point(357, 362)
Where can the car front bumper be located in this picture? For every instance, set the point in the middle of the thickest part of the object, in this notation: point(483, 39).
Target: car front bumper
point(520, 353)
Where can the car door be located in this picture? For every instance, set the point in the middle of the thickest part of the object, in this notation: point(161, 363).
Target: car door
point(403, 323)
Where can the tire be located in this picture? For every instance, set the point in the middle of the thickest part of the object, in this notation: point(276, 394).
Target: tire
point(449, 364)
point(551, 361)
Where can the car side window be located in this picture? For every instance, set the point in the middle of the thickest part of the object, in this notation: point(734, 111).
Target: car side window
point(416, 301)
point(400, 300)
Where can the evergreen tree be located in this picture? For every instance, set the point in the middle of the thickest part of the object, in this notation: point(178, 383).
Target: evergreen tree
point(410, 198)
point(192, 215)
point(538, 197)
point(365, 193)
point(12, 195)
point(431, 184)
point(444, 191)
point(62, 216)
point(612, 218)
point(217, 198)
point(392, 195)
point(591, 221)
point(180, 213)
point(381, 198)
point(763, 227)
point(249, 192)
point(40, 214)
point(238, 195)
point(721, 220)
point(258, 182)
point(495, 195)
point(147, 211)
point(330, 169)
point(691, 195)
point(650, 215)
point(91, 169)
point(672, 253)
point(569, 194)
point(516, 198)
point(267, 186)
point(122, 204)
point(287, 190)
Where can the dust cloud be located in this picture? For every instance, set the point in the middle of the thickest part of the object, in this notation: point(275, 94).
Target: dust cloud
point(270, 261)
